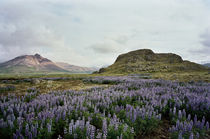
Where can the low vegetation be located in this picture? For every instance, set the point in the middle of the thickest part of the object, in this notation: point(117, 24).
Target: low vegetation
point(129, 107)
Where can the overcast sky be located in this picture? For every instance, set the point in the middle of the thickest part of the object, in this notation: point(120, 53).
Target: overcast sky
point(95, 32)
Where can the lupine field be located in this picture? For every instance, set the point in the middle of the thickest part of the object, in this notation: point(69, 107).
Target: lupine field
point(129, 108)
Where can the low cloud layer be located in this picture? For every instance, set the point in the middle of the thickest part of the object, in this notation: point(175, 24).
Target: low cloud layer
point(95, 32)
point(206, 38)
point(27, 30)
point(104, 48)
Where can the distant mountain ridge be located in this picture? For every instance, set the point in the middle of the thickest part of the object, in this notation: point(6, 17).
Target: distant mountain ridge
point(207, 65)
point(145, 60)
point(76, 69)
point(37, 64)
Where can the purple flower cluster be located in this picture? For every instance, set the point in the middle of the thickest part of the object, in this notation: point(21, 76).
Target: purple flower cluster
point(116, 109)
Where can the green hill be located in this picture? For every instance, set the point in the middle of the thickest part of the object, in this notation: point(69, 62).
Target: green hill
point(145, 60)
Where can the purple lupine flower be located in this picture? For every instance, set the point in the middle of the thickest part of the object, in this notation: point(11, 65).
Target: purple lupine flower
point(104, 136)
point(30, 135)
point(191, 135)
point(18, 133)
point(197, 135)
point(125, 127)
point(15, 136)
point(184, 113)
point(132, 130)
point(35, 132)
point(116, 126)
point(10, 123)
point(189, 117)
point(207, 125)
point(180, 114)
point(189, 127)
point(27, 130)
point(203, 119)
point(195, 119)
point(180, 135)
point(21, 136)
point(70, 129)
point(48, 127)
point(104, 127)
point(121, 137)
point(99, 136)
point(147, 92)
point(159, 116)
point(92, 135)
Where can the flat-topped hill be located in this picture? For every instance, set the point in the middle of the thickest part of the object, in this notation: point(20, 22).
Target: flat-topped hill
point(145, 60)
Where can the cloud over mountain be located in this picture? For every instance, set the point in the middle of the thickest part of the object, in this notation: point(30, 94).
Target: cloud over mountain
point(93, 28)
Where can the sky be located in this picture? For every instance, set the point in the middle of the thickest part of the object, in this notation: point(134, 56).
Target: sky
point(95, 32)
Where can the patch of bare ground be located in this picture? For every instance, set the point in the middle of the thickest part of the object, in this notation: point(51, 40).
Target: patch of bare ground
point(160, 133)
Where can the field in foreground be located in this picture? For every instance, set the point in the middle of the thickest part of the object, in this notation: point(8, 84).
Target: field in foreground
point(128, 108)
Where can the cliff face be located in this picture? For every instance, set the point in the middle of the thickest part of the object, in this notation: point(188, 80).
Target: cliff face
point(147, 55)
point(145, 60)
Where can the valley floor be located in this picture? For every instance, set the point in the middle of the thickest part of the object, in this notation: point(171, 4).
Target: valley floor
point(80, 106)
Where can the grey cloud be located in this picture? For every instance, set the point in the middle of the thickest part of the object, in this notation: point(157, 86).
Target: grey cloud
point(32, 27)
point(122, 39)
point(201, 53)
point(19, 27)
point(102, 48)
point(22, 33)
point(66, 27)
point(113, 44)
point(205, 38)
point(28, 37)
point(106, 47)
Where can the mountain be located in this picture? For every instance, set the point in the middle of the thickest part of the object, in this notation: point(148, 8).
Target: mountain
point(207, 65)
point(38, 64)
point(76, 69)
point(145, 60)
point(30, 64)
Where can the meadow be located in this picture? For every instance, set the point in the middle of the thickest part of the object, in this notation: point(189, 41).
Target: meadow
point(121, 107)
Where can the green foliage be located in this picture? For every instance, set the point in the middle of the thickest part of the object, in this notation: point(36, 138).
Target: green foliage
point(113, 133)
point(122, 115)
point(97, 121)
point(79, 134)
point(145, 126)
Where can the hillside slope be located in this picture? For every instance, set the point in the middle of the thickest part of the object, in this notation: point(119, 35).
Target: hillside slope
point(75, 69)
point(30, 64)
point(145, 60)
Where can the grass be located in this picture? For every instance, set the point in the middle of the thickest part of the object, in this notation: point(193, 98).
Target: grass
point(75, 80)
point(183, 76)
point(179, 76)
point(38, 75)
point(45, 86)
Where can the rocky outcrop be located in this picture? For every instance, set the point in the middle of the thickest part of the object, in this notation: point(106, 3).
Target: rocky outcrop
point(145, 60)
